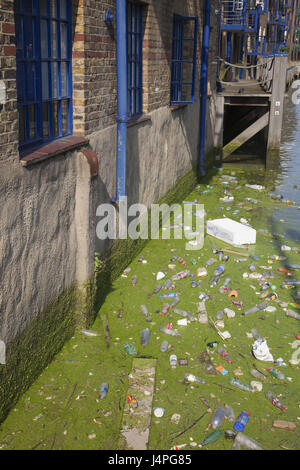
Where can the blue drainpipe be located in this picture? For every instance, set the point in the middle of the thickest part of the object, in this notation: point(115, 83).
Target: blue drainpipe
point(203, 84)
point(122, 116)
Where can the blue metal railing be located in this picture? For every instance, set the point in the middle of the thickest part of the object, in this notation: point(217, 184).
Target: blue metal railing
point(237, 15)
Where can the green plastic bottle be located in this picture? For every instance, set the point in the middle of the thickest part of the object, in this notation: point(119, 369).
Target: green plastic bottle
point(212, 437)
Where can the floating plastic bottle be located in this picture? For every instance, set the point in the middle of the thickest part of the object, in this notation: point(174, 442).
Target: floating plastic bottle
point(220, 270)
point(194, 378)
point(234, 381)
point(210, 261)
point(241, 421)
point(167, 331)
point(257, 374)
point(278, 258)
point(168, 296)
point(174, 302)
point(145, 335)
point(292, 314)
point(103, 390)
point(181, 275)
point(241, 440)
point(229, 413)
point(165, 309)
point(134, 280)
point(217, 417)
point(276, 373)
point(214, 281)
point(212, 437)
point(168, 284)
point(240, 260)
point(144, 310)
point(252, 267)
point(180, 312)
point(274, 400)
point(164, 346)
point(262, 306)
point(89, 333)
point(224, 354)
point(255, 334)
point(156, 288)
point(173, 361)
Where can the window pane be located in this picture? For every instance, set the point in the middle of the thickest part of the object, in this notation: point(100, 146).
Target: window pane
point(64, 112)
point(188, 29)
point(30, 38)
point(64, 79)
point(46, 132)
point(31, 81)
point(19, 38)
point(54, 78)
point(186, 92)
point(188, 50)
point(44, 39)
point(63, 9)
point(187, 72)
point(44, 7)
point(22, 124)
point(45, 80)
point(54, 39)
point(32, 121)
point(53, 8)
point(28, 6)
point(55, 118)
point(64, 40)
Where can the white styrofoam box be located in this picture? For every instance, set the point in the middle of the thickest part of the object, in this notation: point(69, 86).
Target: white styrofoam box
point(231, 231)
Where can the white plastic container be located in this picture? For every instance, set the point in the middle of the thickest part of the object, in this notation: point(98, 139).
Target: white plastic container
point(231, 232)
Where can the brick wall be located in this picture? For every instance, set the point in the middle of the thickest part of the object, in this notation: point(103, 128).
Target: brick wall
point(8, 110)
point(94, 63)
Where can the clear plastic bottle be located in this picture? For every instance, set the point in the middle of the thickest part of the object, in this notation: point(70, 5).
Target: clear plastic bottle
point(255, 334)
point(257, 374)
point(144, 310)
point(145, 335)
point(174, 302)
point(234, 381)
point(164, 346)
point(180, 312)
point(217, 417)
point(180, 275)
point(214, 281)
point(241, 440)
point(229, 413)
point(103, 390)
point(156, 288)
point(278, 258)
point(134, 280)
point(194, 378)
point(173, 361)
point(292, 314)
point(274, 400)
point(167, 331)
point(165, 309)
point(262, 306)
point(191, 316)
point(168, 284)
point(210, 261)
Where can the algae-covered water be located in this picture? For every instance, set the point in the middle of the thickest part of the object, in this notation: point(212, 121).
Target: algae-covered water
point(62, 410)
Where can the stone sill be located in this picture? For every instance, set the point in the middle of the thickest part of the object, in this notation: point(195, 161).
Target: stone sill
point(137, 120)
point(174, 107)
point(52, 149)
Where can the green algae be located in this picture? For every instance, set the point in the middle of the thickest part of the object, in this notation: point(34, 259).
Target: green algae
point(62, 409)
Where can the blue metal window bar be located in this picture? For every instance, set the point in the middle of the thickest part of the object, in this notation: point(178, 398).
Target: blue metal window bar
point(236, 15)
point(184, 60)
point(134, 58)
point(44, 70)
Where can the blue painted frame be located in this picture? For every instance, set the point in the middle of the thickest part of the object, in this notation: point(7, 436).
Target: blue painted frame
point(23, 17)
point(178, 60)
point(134, 34)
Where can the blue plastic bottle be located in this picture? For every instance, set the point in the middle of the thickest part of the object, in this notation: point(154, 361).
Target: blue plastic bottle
point(241, 421)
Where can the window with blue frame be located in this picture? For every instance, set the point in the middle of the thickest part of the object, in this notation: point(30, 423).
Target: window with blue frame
point(44, 73)
point(134, 58)
point(183, 60)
